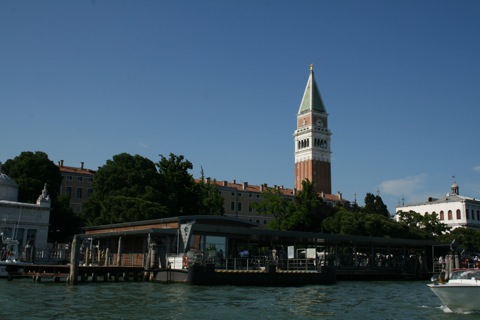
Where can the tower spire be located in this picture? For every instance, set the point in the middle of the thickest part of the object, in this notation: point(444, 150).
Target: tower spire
point(312, 140)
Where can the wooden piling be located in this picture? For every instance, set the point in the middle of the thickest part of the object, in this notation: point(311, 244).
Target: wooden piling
point(74, 260)
point(119, 252)
point(107, 255)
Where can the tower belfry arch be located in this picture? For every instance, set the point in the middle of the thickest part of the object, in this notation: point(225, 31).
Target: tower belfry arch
point(312, 140)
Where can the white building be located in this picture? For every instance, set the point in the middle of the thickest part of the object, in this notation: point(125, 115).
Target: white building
point(454, 210)
point(25, 222)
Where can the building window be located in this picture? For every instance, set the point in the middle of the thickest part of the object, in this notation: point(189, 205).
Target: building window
point(239, 194)
point(80, 179)
point(264, 221)
point(468, 214)
point(232, 206)
point(250, 209)
point(68, 191)
point(250, 195)
point(233, 194)
point(441, 215)
point(69, 178)
point(459, 214)
point(239, 206)
point(89, 192)
point(79, 193)
point(90, 179)
point(478, 215)
point(258, 196)
point(450, 215)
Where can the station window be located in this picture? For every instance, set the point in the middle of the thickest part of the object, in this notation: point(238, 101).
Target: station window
point(450, 215)
point(232, 206)
point(459, 214)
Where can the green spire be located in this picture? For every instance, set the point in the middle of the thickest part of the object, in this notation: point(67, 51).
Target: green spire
point(312, 100)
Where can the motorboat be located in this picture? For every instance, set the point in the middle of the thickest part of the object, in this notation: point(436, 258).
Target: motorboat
point(461, 293)
point(10, 263)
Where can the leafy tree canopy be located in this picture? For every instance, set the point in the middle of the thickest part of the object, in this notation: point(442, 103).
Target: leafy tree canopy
point(212, 201)
point(374, 204)
point(305, 212)
point(127, 188)
point(31, 170)
point(429, 225)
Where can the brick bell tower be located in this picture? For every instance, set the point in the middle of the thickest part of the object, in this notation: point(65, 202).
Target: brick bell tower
point(312, 140)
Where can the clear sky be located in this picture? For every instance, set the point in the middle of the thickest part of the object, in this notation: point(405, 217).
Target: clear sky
point(220, 82)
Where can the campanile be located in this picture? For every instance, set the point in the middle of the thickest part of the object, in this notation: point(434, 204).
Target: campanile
point(312, 140)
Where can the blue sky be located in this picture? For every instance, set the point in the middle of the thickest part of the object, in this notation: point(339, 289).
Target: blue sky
point(220, 82)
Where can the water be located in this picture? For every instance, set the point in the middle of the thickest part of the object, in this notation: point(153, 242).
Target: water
point(24, 299)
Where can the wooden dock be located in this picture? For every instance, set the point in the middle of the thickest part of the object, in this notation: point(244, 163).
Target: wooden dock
point(60, 273)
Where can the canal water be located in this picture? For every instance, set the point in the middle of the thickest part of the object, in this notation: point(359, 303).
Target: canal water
point(24, 299)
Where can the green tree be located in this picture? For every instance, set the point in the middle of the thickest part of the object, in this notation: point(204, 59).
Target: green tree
point(466, 238)
point(64, 223)
point(211, 200)
point(368, 224)
point(276, 204)
point(181, 193)
point(374, 204)
point(428, 226)
point(306, 214)
point(31, 171)
point(127, 188)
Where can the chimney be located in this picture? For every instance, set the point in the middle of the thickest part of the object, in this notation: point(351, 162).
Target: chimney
point(339, 194)
point(225, 183)
point(60, 163)
point(294, 191)
point(81, 165)
point(234, 181)
point(208, 180)
point(245, 185)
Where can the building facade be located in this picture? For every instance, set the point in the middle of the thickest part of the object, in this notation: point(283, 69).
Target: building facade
point(77, 184)
point(25, 222)
point(312, 140)
point(453, 209)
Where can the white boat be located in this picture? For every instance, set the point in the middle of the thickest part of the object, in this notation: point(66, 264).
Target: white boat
point(9, 260)
point(461, 294)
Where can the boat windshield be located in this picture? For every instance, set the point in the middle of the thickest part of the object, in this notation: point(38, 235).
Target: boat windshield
point(466, 274)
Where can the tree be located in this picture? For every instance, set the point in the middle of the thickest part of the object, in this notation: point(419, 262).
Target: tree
point(212, 201)
point(127, 188)
point(374, 204)
point(428, 225)
point(274, 203)
point(31, 171)
point(306, 215)
point(64, 223)
point(181, 194)
point(466, 238)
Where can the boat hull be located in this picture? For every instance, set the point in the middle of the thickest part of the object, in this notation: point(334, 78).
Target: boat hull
point(458, 298)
